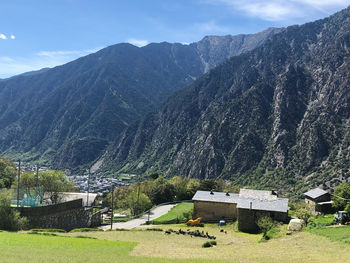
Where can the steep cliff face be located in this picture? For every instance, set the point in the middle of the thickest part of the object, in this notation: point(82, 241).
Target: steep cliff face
point(69, 114)
point(276, 116)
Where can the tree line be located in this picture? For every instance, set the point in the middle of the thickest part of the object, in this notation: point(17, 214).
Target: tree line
point(141, 196)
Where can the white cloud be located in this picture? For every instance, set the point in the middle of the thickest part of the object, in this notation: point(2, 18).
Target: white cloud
point(137, 42)
point(211, 27)
point(279, 10)
point(2, 36)
point(12, 37)
point(65, 53)
point(11, 66)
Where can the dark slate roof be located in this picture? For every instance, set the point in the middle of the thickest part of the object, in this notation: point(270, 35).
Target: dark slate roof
point(257, 194)
point(261, 200)
point(218, 197)
point(314, 193)
point(278, 205)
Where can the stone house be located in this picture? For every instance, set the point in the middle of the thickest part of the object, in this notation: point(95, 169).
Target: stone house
point(318, 201)
point(246, 207)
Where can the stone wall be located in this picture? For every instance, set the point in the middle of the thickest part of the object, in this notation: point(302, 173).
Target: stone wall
point(213, 211)
point(247, 219)
point(67, 216)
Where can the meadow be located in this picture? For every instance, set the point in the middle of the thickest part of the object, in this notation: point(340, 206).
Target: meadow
point(175, 215)
point(316, 245)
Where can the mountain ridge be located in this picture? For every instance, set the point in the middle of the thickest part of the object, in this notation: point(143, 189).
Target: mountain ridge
point(67, 115)
point(276, 116)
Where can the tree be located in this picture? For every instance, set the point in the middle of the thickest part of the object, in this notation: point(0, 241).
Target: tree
point(137, 202)
point(9, 218)
point(162, 191)
point(154, 176)
point(54, 182)
point(341, 197)
point(208, 185)
point(7, 173)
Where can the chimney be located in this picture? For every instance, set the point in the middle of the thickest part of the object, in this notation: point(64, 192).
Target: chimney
point(251, 205)
point(227, 194)
point(211, 192)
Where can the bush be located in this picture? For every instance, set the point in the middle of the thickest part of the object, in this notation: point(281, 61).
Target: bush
point(10, 219)
point(48, 230)
point(304, 214)
point(154, 229)
point(43, 234)
point(209, 244)
point(266, 224)
point(85, 230)
point(85, 237)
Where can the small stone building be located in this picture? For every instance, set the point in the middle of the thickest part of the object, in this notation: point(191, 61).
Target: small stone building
point(214, 206)
point(247, 207)
point(318, 201)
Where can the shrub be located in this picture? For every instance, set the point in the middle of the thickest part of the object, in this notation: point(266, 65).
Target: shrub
point(266, 224)
point(48, 230)
point(85, 237)
point(304, 214)
point(10, 219)
point(42, 233)
point(154, 229)
point(85, 230)
point(209, 244)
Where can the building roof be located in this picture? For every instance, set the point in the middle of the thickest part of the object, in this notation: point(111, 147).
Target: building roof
point(325, 203)
point(260, 200)
point(277, 205)
point(219, 197)
point(315, 193)
point(257, 194)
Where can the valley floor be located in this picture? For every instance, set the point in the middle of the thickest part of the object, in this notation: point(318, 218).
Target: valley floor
point(154, 246)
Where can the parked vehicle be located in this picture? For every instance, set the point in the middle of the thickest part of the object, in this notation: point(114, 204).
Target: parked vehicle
point(342, 217)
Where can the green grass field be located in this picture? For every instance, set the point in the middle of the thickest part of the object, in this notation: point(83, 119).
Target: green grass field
point(340, 234)
point(314, 246)
point(175, 215)
point(22, 247)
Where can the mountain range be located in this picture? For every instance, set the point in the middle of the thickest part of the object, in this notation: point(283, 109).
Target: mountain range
point(68, 115)
point(275, 116)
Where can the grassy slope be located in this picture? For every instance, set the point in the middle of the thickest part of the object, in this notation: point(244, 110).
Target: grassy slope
point(145, 246)
point(17, 247)
point(175, 213)
point(301, 247)
point(341, 234)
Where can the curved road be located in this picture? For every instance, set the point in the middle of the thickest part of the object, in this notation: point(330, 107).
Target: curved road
point(155, 213)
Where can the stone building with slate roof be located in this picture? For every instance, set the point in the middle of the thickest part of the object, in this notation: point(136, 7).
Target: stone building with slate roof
point(247, 207)
point(318, 201)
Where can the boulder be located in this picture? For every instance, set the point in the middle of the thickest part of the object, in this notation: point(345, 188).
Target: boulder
point(295, 224)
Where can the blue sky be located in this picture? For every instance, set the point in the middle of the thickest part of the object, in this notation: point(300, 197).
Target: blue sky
point(45, 33)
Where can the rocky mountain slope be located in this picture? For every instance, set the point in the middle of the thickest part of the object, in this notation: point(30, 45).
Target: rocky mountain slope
point(67, 115)
point(276, 116)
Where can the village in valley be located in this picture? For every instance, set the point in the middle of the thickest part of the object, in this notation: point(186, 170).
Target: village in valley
point(185, 212)
point(200, 131)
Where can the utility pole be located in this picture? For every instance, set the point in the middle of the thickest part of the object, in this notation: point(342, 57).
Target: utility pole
point(88, 190)
point(138, 198)
point(112, 215)
point(37, 176)
point(19, 179)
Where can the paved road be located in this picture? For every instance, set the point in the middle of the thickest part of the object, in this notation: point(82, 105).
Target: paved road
point(155, 213)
